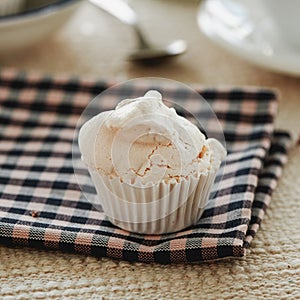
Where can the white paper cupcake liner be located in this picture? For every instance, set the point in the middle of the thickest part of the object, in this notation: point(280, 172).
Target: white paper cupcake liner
point(161, 208)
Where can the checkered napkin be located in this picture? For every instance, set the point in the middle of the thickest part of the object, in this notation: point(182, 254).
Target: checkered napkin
point(41, 204)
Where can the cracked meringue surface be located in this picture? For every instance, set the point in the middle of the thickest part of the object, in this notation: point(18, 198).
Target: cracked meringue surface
point(144, 141)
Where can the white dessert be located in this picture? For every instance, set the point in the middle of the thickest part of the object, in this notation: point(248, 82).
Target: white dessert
point(144, 141)
point(152, 169)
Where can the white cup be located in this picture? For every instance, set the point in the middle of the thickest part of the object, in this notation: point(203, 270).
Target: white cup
point(286, 17)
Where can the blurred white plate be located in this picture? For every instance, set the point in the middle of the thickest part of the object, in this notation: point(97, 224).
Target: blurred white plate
point(26, 28)
point(243, 28)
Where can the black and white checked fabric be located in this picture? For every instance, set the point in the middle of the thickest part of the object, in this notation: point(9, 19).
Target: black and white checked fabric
point(41, 204)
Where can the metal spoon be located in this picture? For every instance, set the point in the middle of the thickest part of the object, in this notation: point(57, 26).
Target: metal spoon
point(145, 52)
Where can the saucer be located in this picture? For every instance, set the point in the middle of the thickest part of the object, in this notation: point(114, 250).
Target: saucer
point(36, 21)
point(243, 28)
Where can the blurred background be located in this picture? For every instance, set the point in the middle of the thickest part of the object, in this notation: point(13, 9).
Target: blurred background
point(78, 38)
point(93, 42)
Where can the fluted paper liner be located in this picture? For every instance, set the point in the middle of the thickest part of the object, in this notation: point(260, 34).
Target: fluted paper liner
point(161, 208)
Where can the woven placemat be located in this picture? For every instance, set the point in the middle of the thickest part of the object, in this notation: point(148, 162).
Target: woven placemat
point(42, 205)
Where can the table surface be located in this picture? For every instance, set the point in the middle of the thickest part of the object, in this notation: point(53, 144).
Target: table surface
point(95, 44)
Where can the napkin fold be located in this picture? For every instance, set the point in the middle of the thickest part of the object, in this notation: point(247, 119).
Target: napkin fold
point(42, 205)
